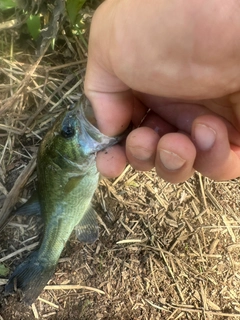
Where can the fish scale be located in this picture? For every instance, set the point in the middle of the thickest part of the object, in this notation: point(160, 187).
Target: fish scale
point(67, 180)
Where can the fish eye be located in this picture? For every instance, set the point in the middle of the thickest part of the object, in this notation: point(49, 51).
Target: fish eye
point(67, 132)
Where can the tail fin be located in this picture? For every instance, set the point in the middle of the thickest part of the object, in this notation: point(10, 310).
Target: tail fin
point(30, 278)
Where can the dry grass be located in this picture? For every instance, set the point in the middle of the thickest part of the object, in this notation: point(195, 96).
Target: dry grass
point(165, 251)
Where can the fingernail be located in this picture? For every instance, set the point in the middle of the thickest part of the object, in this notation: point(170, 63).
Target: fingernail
point(204, 137)
point(140, 153)
point(170, 160)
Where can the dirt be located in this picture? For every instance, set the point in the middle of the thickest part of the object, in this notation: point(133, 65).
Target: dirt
point(165, 251)
point(167, 255)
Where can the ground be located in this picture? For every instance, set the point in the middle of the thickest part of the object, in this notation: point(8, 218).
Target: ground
point(165, 251)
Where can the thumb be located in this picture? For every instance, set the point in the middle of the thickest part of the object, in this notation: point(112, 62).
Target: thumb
point(111, 99)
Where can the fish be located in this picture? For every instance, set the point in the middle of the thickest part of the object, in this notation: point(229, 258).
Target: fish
point(67, 179)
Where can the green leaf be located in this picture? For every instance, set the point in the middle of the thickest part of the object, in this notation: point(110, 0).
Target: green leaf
point(34, 25)
point(7, 4)
point(3, 270)
point(73, 7)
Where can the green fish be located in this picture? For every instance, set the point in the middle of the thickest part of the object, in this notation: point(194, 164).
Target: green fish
point(67, 179)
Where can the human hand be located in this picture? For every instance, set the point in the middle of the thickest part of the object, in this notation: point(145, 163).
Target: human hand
point(181, 59)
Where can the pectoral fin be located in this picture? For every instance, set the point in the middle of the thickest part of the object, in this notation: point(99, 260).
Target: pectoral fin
point(31, 207)
point(87, 229)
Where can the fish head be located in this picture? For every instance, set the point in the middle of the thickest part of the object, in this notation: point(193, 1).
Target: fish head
point(75, 136)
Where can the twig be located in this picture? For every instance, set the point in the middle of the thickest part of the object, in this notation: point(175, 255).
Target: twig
point(166, 306)
point(72, 287)
point(30, 247)
point(12, 197)
point(49, 302)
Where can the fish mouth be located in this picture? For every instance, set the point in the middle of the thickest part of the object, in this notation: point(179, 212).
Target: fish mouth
point(88, 124)
point(88, 112)
point(90, 138)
